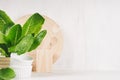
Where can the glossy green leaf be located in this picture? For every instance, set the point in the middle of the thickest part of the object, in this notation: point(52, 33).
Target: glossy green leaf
point(2, 38)
point(5, 21)
point(7, 74)
point(38, 39)
point(14, 38)
point(14, 35)
point(23, 46)
point(33, 24)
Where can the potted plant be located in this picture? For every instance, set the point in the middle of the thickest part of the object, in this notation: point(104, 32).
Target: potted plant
point(16, 40)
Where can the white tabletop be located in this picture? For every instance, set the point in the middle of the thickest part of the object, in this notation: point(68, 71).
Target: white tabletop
point(83, 75)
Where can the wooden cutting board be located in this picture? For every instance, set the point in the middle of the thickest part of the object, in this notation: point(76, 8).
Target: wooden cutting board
point(50, 49)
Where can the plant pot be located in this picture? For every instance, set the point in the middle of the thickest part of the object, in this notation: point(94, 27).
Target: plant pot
point(22, 65)
point(4, 62)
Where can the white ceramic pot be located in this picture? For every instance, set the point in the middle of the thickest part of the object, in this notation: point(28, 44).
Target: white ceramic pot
point(22, 65)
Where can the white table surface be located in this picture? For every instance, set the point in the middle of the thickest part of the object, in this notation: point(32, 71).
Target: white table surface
point(81, 75)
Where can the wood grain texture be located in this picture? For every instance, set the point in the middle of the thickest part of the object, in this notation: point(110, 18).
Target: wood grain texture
point(4, 62)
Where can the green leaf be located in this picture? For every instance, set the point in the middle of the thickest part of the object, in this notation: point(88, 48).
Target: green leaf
point(14, 35)
point(2, 38)
point(7, 74)
point(5, 21)
point(33, 24)
point(23, 46)
point(38, 39)
point(5, 48)
point(3, 53)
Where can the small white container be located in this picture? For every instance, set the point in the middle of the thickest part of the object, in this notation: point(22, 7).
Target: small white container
point(22, 65)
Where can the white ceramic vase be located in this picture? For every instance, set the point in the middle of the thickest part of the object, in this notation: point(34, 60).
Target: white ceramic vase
point(22, 65)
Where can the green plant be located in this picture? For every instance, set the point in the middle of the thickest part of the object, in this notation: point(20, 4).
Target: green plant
point(15, 38)
point(7, 74)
